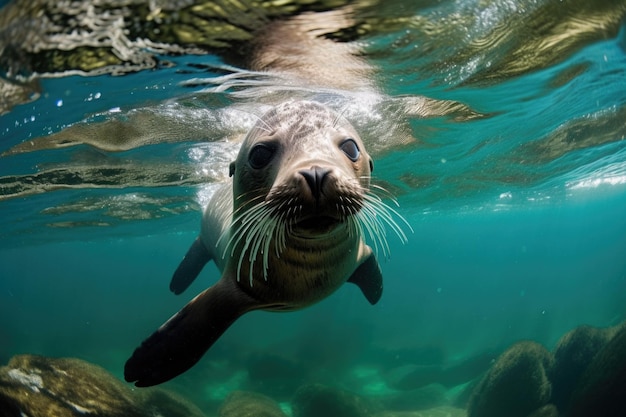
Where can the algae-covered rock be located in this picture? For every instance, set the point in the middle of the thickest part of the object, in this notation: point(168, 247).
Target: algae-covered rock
point(601, 391)
point(317, 400)
point(160, 402)
point(249, 404)
point(572, 355)
point(516, 385)
point(38, 386)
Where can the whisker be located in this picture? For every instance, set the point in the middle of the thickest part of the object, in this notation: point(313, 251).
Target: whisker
point(237, 219)
point(262, 238)
point(249, 201)
point(253, 231)
point(375, 230)
point(261, 227)
point(239, 227)
point(387, 213)
point(280, 244)
point(263, 235)
point(387, 193)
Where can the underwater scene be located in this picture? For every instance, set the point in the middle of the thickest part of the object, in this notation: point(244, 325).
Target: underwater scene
point(413, 208)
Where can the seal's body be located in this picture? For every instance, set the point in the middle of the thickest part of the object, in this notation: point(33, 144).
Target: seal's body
point(286, 233)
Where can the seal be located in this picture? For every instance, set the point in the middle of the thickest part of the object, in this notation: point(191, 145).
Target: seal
point(287, 231)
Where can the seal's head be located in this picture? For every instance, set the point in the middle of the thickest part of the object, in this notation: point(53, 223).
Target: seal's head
point(305, 162)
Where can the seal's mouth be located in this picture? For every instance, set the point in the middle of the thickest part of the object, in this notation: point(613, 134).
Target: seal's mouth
point(319, 224)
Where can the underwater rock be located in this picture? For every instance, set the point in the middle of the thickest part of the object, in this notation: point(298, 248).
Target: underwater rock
point(602, 388)
point(317, 400)
point(516, 385)
point(249, 404)
point(572, 355)
point(160, 402)
point(38, 386)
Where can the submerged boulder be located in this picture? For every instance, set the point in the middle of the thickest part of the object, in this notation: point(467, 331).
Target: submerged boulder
point(601, 389)
point(249, 404)
point(38, 386)
point(316, 400)
point(516, 385)
point(572, 355)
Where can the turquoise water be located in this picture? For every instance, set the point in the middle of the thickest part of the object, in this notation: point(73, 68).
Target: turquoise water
point(518, 217)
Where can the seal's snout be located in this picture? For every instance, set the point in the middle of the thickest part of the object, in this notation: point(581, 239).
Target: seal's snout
point(315, 177)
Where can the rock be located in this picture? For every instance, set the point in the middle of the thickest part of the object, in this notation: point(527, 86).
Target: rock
point(160, 402)
point(602, 388)
point(516, 385)
point(249, 404)
point(38, 386)
point(572, 355)
point(317, 400)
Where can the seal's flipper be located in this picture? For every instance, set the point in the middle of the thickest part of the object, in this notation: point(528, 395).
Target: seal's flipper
point(179, 343)
point(369, 279)
point(196, 257)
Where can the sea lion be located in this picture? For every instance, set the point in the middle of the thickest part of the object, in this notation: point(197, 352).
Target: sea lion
point(286, 232)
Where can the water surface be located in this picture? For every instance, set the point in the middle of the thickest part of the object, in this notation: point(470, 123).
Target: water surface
point(518, 213)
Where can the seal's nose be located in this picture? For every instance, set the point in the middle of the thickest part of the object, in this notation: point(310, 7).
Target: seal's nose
point(314, 177)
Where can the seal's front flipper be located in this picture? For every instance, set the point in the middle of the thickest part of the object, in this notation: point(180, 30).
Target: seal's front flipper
point(197, 256)
point(369, 279)
point(179, 343)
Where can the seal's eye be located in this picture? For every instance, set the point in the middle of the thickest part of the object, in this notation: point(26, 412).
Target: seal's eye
point(351, 149)
point(261, 155)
